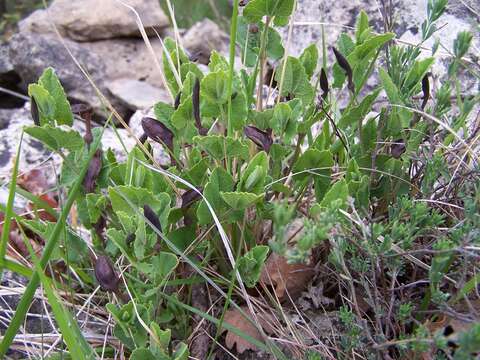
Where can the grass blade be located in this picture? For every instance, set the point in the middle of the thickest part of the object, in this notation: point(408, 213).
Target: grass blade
point(69, 328)
point(9, 209)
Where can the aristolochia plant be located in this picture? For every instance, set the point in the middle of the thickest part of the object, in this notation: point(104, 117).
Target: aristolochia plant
point(250, 151)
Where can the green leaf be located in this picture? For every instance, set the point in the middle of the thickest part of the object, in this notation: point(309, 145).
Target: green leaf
point(183, 115)
point(249, 42)
point(338, 192)
point(181, 352)
point(214, 87)
point(163, 113)
point(309, 60)
point(142, 354)
point(253, 178)
point(278, 154)
point(177, 56)
point(250, 265)
point(56, 138)
point(257, 9)
point(393, 94)
point(71, 247)
point(240, 200)
point(45, 103)
point(163, 265)
point(239, 111)
point(218, 146)
point(355, 113)
point(361, 27)
point(320, 162)
point(140, 243)
point(96, 203)
point(295, 81)
point(416, 74)
point(281, 115)
point(217, 62)
point(359, 57)
point(160, 203)
point(219, 180)
point(368, 46)
point(369, 135)
point(160, 347)
point(50, 82)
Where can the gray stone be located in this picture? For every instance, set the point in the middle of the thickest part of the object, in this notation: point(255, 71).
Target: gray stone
point(6, 65)
point(202, 38)
point(5, 116)
point(33, 154)
point(137, 94)
point(129, 58)
point(31, 53)
point(93, 20)
point(408, 16)
point(8, 77)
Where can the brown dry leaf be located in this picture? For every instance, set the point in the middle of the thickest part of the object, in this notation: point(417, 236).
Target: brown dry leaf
point(34, 181)
point(42, 214)
point(235, 318)
point(285, 277)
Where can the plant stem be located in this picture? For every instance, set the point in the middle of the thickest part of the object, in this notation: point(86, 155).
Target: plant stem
point(9, 209)
point(262, 61)
point(233, 39)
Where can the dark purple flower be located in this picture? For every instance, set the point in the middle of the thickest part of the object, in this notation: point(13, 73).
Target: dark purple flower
point(34, 112)
point(152, 217)
point(343, 62)
point(397, 148)
point(189, 197)
point(425, 90)
point(177, 100)
point(93, 171)
point(196, 107)
point(263, 139)
point(105, 274)
point(158, 132)
point(324, 83)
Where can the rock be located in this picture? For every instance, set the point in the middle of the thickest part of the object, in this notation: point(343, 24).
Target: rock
point(5, 116)
point(31, 53)
point(34, 155)
point(204, 37)
point(94, 20)
point(137, 94)
point(6, 65)
point(8, 77)
point(341, 15)
point(128, 58)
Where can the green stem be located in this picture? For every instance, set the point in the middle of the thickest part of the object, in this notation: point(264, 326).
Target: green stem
point(9, 209)
point(50, 245)
point(233, 39)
